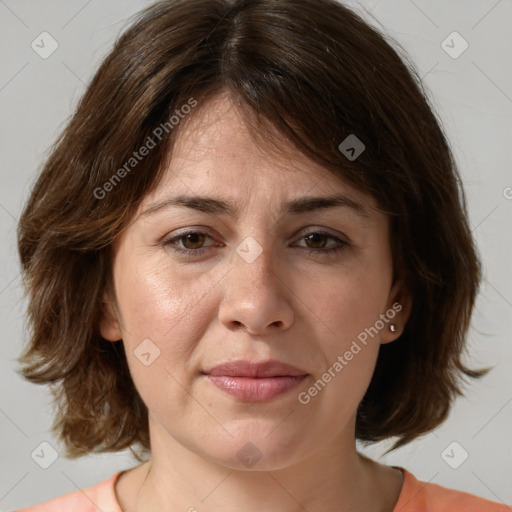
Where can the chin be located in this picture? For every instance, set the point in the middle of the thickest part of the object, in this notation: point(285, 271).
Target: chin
point(266, 450)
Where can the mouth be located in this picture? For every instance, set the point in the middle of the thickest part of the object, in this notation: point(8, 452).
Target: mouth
point(255, 382)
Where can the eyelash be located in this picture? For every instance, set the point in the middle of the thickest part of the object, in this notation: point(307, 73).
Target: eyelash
point(170, 242)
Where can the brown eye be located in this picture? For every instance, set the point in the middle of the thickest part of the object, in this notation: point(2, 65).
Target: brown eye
point(316, 243)
point(193, 240)
point(189, 244)
point(192, 243)
point(318, 240)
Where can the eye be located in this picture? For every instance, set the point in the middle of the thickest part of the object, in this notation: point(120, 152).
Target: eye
point(318, 238)
point(191, 240)
point(191, 243)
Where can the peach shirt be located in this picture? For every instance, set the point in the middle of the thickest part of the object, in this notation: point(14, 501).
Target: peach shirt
point(416, 496)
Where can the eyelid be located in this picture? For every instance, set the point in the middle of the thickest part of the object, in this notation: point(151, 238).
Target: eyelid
point(325, 231)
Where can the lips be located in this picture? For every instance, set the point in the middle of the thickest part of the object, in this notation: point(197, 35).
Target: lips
point(271, 368)
point(255, 382)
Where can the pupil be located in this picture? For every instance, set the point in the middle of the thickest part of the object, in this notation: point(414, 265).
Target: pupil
point(314, 237)
point(193, 235)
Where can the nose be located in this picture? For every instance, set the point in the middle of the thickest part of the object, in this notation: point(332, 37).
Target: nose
point(257, 295)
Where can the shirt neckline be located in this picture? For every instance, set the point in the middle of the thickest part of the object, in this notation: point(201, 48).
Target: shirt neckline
point(403, 497)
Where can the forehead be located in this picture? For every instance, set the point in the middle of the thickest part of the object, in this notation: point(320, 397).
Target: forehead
point(216, 152)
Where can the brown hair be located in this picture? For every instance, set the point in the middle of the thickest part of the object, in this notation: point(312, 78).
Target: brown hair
point(317, 73)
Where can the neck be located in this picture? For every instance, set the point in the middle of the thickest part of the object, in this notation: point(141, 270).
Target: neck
point(335, 478)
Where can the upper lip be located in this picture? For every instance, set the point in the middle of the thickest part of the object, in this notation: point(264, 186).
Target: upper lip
point(270, 368)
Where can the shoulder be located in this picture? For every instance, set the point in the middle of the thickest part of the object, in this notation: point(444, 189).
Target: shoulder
point(419, 496)
point(100, 496)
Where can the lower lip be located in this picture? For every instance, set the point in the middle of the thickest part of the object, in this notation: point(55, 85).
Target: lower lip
point(249, 389)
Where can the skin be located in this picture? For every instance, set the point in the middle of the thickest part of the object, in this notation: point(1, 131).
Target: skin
point(302, 309)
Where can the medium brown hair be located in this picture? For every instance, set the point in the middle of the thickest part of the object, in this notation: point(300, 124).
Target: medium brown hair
point(317, 73)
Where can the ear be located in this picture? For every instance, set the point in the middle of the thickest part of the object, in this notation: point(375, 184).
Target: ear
point(399, 303)
point(108, 323)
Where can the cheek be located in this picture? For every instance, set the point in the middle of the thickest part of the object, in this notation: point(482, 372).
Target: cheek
point(160, 305)
point(163, 304)
point(343, 307)
point(347, 302)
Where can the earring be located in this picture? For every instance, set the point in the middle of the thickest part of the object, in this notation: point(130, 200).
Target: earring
point(392, 327)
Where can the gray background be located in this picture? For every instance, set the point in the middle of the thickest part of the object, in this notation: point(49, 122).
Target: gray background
point(473, 95)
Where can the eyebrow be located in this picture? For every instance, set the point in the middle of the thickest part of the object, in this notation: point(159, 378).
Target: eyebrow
point(295, 207)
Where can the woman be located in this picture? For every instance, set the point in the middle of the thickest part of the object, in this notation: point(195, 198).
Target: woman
point(259, 253)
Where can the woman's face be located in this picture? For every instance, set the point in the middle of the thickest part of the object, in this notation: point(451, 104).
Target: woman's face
point(252, 284)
